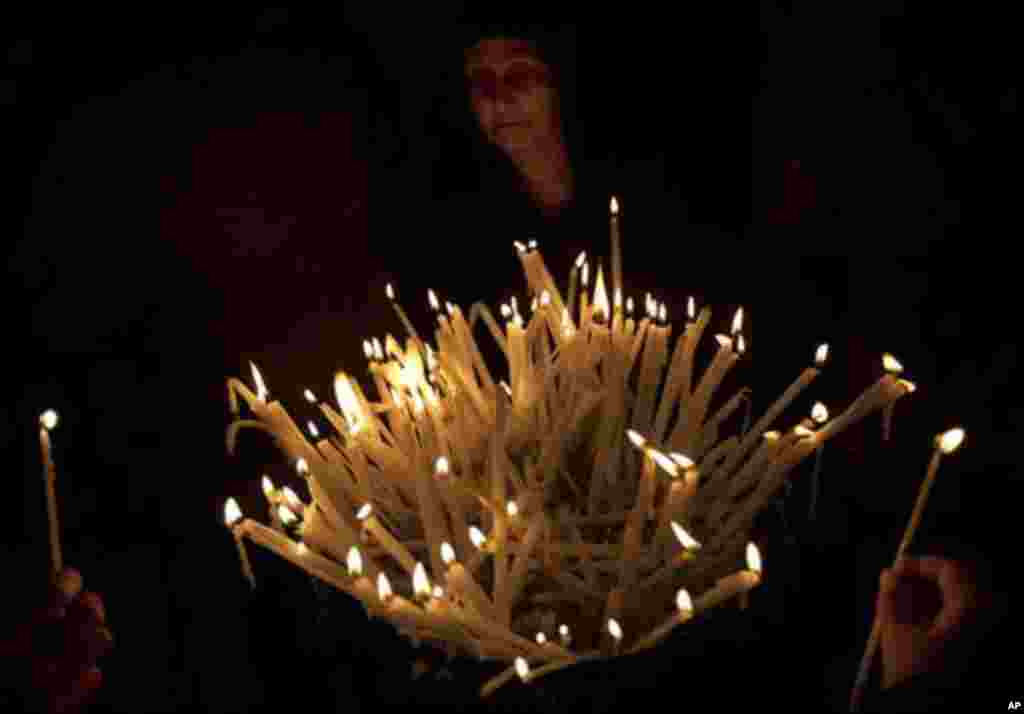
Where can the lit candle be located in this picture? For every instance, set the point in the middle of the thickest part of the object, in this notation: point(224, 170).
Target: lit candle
point(615, 630)
point(47, 421)
point(461, 583)
point(387, 541)
point(401, 314)
point(684, 613)
point(732, 585)
point(362, 587)
point(892, 366)
point(573, 278)
point(819, 413)
point(616, 245)
point(945, 443)
point(232, 516)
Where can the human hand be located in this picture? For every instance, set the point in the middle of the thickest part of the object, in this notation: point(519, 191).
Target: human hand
point(923, 605)
point(59, 645)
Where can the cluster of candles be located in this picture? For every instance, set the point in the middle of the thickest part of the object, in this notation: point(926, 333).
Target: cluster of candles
point(449, 453)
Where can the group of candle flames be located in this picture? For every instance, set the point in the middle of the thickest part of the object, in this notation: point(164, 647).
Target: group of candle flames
point(448, 453)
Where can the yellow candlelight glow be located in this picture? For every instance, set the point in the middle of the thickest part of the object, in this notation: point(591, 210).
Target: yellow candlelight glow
point(545, 298)
point(685, 539)
point(737, 321)
point(390, 291)
point(563, 630)
point(664, 462)
point(951, 440)
point(618, 299)
point(541, 638)
point(520, 246)
point(435, 305)
point(368, 349)
point(741, 345)
point(383, 587)
point(313, 430)
point(821, 355)
point(450, 308)
point(477, 536)
point(232, 513)
point(512, 508)
point(420, 582)
point(378, 351)
point(629, 307)
point(601, 307)
point(293, 500)
point(819, 413)
point(348, 402)
point(772, 435)
point(691, 309)
point(638, 440)
point(261, 388)
point(364, 512)
point(614, 204)
point(581, 259)
point(663, 314)
point(302, 549)
point(286, 516)
point(802, 430)
point(753, 558)
point(355, 562)
point(301, 467)
point(438, 592)
point(310, 397)
point(49, 419)
point(682, 460)
point(447, 553)
point(891, 364)
point(683, 601)
point(522, 668)
point(652, 306)
point(585, 278)
point(614, 628)
point(441, 467)
point(532, 245)
point(268, 486)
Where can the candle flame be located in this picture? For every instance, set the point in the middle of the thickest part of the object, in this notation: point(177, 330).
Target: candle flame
point(586, 274)
point(508, 389)
point(506, 311)
point(364, 512)
point(652, 306)
point(772, 435)
point(450, 308)
point(368, 349)
point(601, 307)
point(741, 345)
point(301, 467)
point(286, 516)
point(737, 321)
point(821, 356)
point(951, 440)
point(614, 628)
point(420, 582)
point(663, 314)
point(664, 462)
point(691, 308)
point(383, 587)
point(753, 558)
point(802, 430)
point(891, 364)
point(541, 638)
point(390, 291)
point(378, 351)
point(532, 245)
point(819, 413)
point(685, 539)
point(302, 549)
point(614, 205)
point(545, 298)
point(49, 419)
point(441, 465)
point(268, 486)
point(520, 247)
point(438, 592)
point(261, 388)
point(684, 461)
point(232, 513)
point(638, 440)
point(522, 668)
point(477, 536)
point(563, 630)
point(310, 397)
point(313, 430)
point(355, 562)
point(447, 553)
point(512, 508)
point(580, 259)
point(292, 498)
point(435, 305)
point(683, 601)
point(347, 401)
point(629, 307)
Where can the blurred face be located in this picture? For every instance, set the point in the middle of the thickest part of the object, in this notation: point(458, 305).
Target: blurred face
point(511, 93)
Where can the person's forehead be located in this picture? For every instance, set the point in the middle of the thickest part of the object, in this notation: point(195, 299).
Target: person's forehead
point(493, 52)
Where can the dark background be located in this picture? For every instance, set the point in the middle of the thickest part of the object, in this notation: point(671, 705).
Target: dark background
point(193, 192)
